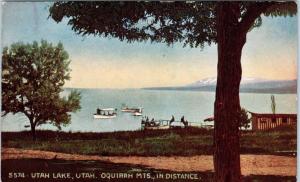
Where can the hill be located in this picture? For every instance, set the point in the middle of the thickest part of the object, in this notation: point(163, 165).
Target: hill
point(248, 85)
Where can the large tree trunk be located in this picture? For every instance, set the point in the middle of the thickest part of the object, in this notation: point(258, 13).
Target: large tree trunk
point(227, 103)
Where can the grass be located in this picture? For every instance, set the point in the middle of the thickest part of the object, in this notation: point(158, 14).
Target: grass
point(182, 142)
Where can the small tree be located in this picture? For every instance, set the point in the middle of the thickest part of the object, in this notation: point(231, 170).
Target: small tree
point(244, 119)
point(273, 104)
point(32, 79)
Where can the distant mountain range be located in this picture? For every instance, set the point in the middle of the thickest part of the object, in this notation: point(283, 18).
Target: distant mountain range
point(248, 85)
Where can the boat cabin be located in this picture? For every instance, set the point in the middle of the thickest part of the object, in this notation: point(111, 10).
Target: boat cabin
point(105, 113)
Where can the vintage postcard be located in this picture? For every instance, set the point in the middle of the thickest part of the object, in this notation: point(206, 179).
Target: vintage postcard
point(149, 91)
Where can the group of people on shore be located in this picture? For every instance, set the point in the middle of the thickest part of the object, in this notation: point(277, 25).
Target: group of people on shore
point(147, 122)
point(182, 120)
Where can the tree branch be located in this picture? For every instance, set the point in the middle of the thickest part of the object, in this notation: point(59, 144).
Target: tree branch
point(253, 12)
point(4, 113)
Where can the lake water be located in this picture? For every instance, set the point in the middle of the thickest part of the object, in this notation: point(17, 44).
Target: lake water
point(195, 106)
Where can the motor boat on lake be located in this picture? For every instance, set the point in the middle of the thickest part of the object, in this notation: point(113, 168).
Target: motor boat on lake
point(105, 113)
point(138, 112)
point(131, 110)
point(127, 109)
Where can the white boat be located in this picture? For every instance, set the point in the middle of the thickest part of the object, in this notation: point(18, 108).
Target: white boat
point(138, 112)
point(106, 113)
point(132, 110)
point(97, 116)
point(126, 109)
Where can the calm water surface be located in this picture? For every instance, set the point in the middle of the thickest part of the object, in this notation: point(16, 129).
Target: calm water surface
point(195, 106)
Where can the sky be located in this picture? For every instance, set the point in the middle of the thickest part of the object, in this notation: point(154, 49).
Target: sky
point(270, 52)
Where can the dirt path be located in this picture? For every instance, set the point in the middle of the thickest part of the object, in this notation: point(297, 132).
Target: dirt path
point(251, 164)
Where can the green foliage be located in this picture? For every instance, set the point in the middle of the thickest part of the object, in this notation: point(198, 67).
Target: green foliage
point(244, 119)
point(166, 22)
point(273, 104)
point(190, 22)
point(288, 8)
point(32, 79)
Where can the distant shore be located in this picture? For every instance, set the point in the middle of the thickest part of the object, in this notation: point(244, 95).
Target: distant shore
point(285, 90)
point(258, 86)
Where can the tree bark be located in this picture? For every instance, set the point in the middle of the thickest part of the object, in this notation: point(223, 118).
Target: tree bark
point(227, 103)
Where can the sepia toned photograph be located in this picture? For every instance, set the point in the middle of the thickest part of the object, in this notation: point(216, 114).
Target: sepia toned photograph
point(149, 91)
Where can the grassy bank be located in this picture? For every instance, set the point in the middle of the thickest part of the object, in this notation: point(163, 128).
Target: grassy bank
point(183, 142)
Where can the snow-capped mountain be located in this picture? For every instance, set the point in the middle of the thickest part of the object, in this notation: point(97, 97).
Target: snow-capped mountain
point(248, 84)
point(203, 82)
point(212, 81)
